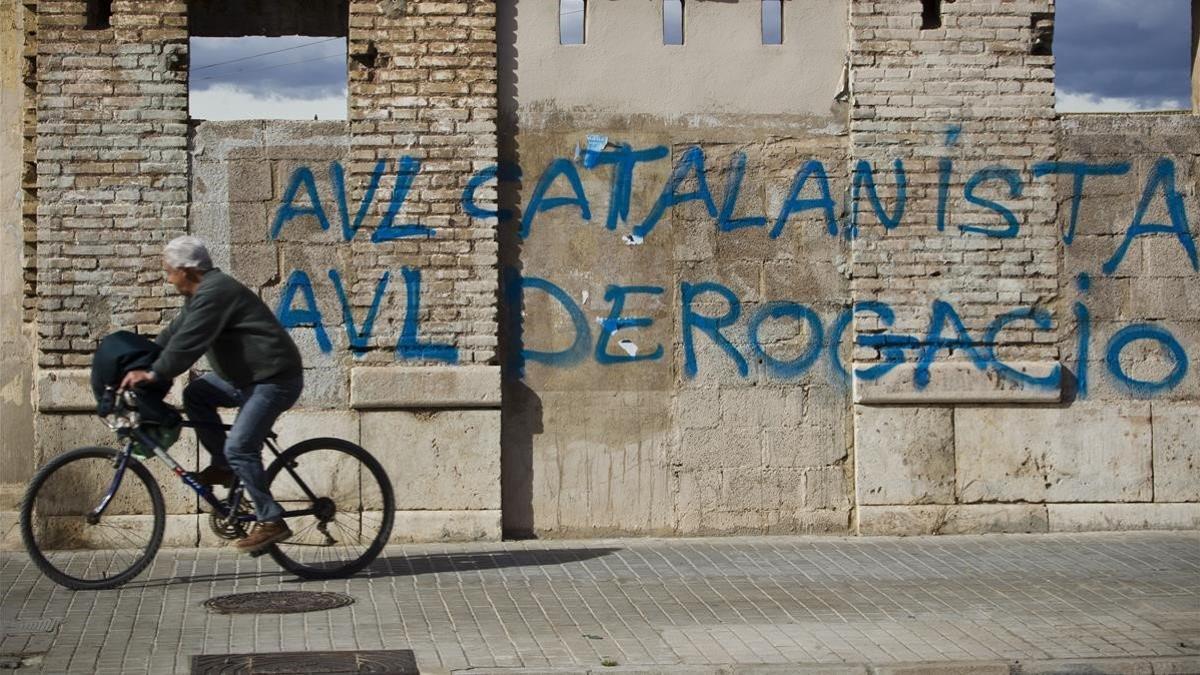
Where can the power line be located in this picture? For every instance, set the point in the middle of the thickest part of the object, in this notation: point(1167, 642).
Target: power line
point(255, 56)
point(277, 65)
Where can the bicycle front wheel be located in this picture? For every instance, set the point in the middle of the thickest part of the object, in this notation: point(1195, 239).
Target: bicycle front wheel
point(352, 506)
point(75, 548)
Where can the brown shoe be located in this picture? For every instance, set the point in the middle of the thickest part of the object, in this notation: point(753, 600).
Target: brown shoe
point(213, 475)
point(264, 535)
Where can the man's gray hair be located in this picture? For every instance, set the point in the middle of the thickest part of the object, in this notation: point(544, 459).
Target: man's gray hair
point(187, 253)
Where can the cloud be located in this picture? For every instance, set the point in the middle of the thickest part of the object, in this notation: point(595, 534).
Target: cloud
point(228, 102)
point(1078, 102)
point(299, 67)
point(1118, 49)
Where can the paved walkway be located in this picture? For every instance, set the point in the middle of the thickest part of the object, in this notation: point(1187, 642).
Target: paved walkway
point(1113, 602)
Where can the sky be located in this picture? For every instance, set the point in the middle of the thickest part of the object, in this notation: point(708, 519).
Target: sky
point(1123, 55)
point(1112, 55)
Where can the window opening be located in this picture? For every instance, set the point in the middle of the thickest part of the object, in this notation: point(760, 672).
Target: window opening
point(259, 77)
point(931, 14)
point(1119, 57)
point(772, 22)
point(99, 14)
point(571, 21)
point(672, 22)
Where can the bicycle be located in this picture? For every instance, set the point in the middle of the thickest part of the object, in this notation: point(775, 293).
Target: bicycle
point(341, 516)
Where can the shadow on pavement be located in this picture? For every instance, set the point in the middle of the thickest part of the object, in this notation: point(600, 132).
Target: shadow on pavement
point(404, 566)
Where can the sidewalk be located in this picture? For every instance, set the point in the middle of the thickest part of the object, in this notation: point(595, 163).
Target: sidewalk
point(1123, 602)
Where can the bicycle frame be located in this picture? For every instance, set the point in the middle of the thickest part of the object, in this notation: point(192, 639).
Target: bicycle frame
point(221, 508)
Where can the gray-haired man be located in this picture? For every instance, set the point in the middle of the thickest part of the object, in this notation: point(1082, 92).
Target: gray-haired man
point(256, 365)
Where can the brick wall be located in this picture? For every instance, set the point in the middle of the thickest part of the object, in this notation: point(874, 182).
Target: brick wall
point(972, 92)
point(431, 96)
point(112, 170)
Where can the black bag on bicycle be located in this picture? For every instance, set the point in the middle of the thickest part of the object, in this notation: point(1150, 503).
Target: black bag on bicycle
point(118, 354)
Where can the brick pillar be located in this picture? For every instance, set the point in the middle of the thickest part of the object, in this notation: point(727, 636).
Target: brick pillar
point(423, 85)
point(112, 170)
point(966, 100)
point(973, 92)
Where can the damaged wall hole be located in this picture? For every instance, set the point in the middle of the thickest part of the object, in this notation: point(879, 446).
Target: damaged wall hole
point(931, 14)
point(99, 14)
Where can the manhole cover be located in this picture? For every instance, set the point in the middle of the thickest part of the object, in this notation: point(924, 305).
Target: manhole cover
point(277, 602)
point(378, 662)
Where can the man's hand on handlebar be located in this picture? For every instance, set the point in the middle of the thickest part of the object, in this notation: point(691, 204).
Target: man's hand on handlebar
point(136, 377)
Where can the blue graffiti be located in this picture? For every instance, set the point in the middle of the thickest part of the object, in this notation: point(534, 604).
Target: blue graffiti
point(337, 176)
point(623, 160)
point(794, 204)
point(864, 176)
point(302, 179)
point(1013, 178)
point(308, 317)
point(1163, 177)
point(800, 364)
point(725, 220)
point(616, 295)
point(538, 203)
point(1143, 331)
point(709, 325)
point(359, 339)
point(691, 163)
point(1080, 171)
point(410, 347)
point(388, 230)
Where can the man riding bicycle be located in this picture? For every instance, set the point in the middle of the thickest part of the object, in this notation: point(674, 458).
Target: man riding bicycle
point(256, 365)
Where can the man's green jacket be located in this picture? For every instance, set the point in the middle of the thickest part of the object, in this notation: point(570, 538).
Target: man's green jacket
point(227, 322)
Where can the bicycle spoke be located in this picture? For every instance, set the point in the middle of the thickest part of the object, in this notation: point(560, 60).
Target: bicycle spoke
point(338, 474)
point(80, 554)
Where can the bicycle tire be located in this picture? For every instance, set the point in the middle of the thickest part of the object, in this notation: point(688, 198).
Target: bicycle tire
point(284, 552)
point(139, 563)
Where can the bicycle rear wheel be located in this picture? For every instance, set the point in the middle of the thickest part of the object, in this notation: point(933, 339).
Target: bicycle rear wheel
point(60, 536)
point(354, 507)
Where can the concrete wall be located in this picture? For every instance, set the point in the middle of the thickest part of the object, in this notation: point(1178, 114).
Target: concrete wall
point(624, 68)
point(651, 426)
point(16, 369)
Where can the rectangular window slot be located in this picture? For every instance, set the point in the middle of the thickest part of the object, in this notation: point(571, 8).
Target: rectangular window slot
point(99, 14)
point(672, 22)
point(571, 21)
point(1042, 27)
point(772, 22)
point(931, 14)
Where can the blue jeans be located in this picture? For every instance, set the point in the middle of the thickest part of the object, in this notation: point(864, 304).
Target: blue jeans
point(261, 404)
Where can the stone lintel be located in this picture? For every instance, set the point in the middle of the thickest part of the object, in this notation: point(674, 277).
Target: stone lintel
point(65, 391)
point(70, 391)
point(398, 387)
point(957, 382)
